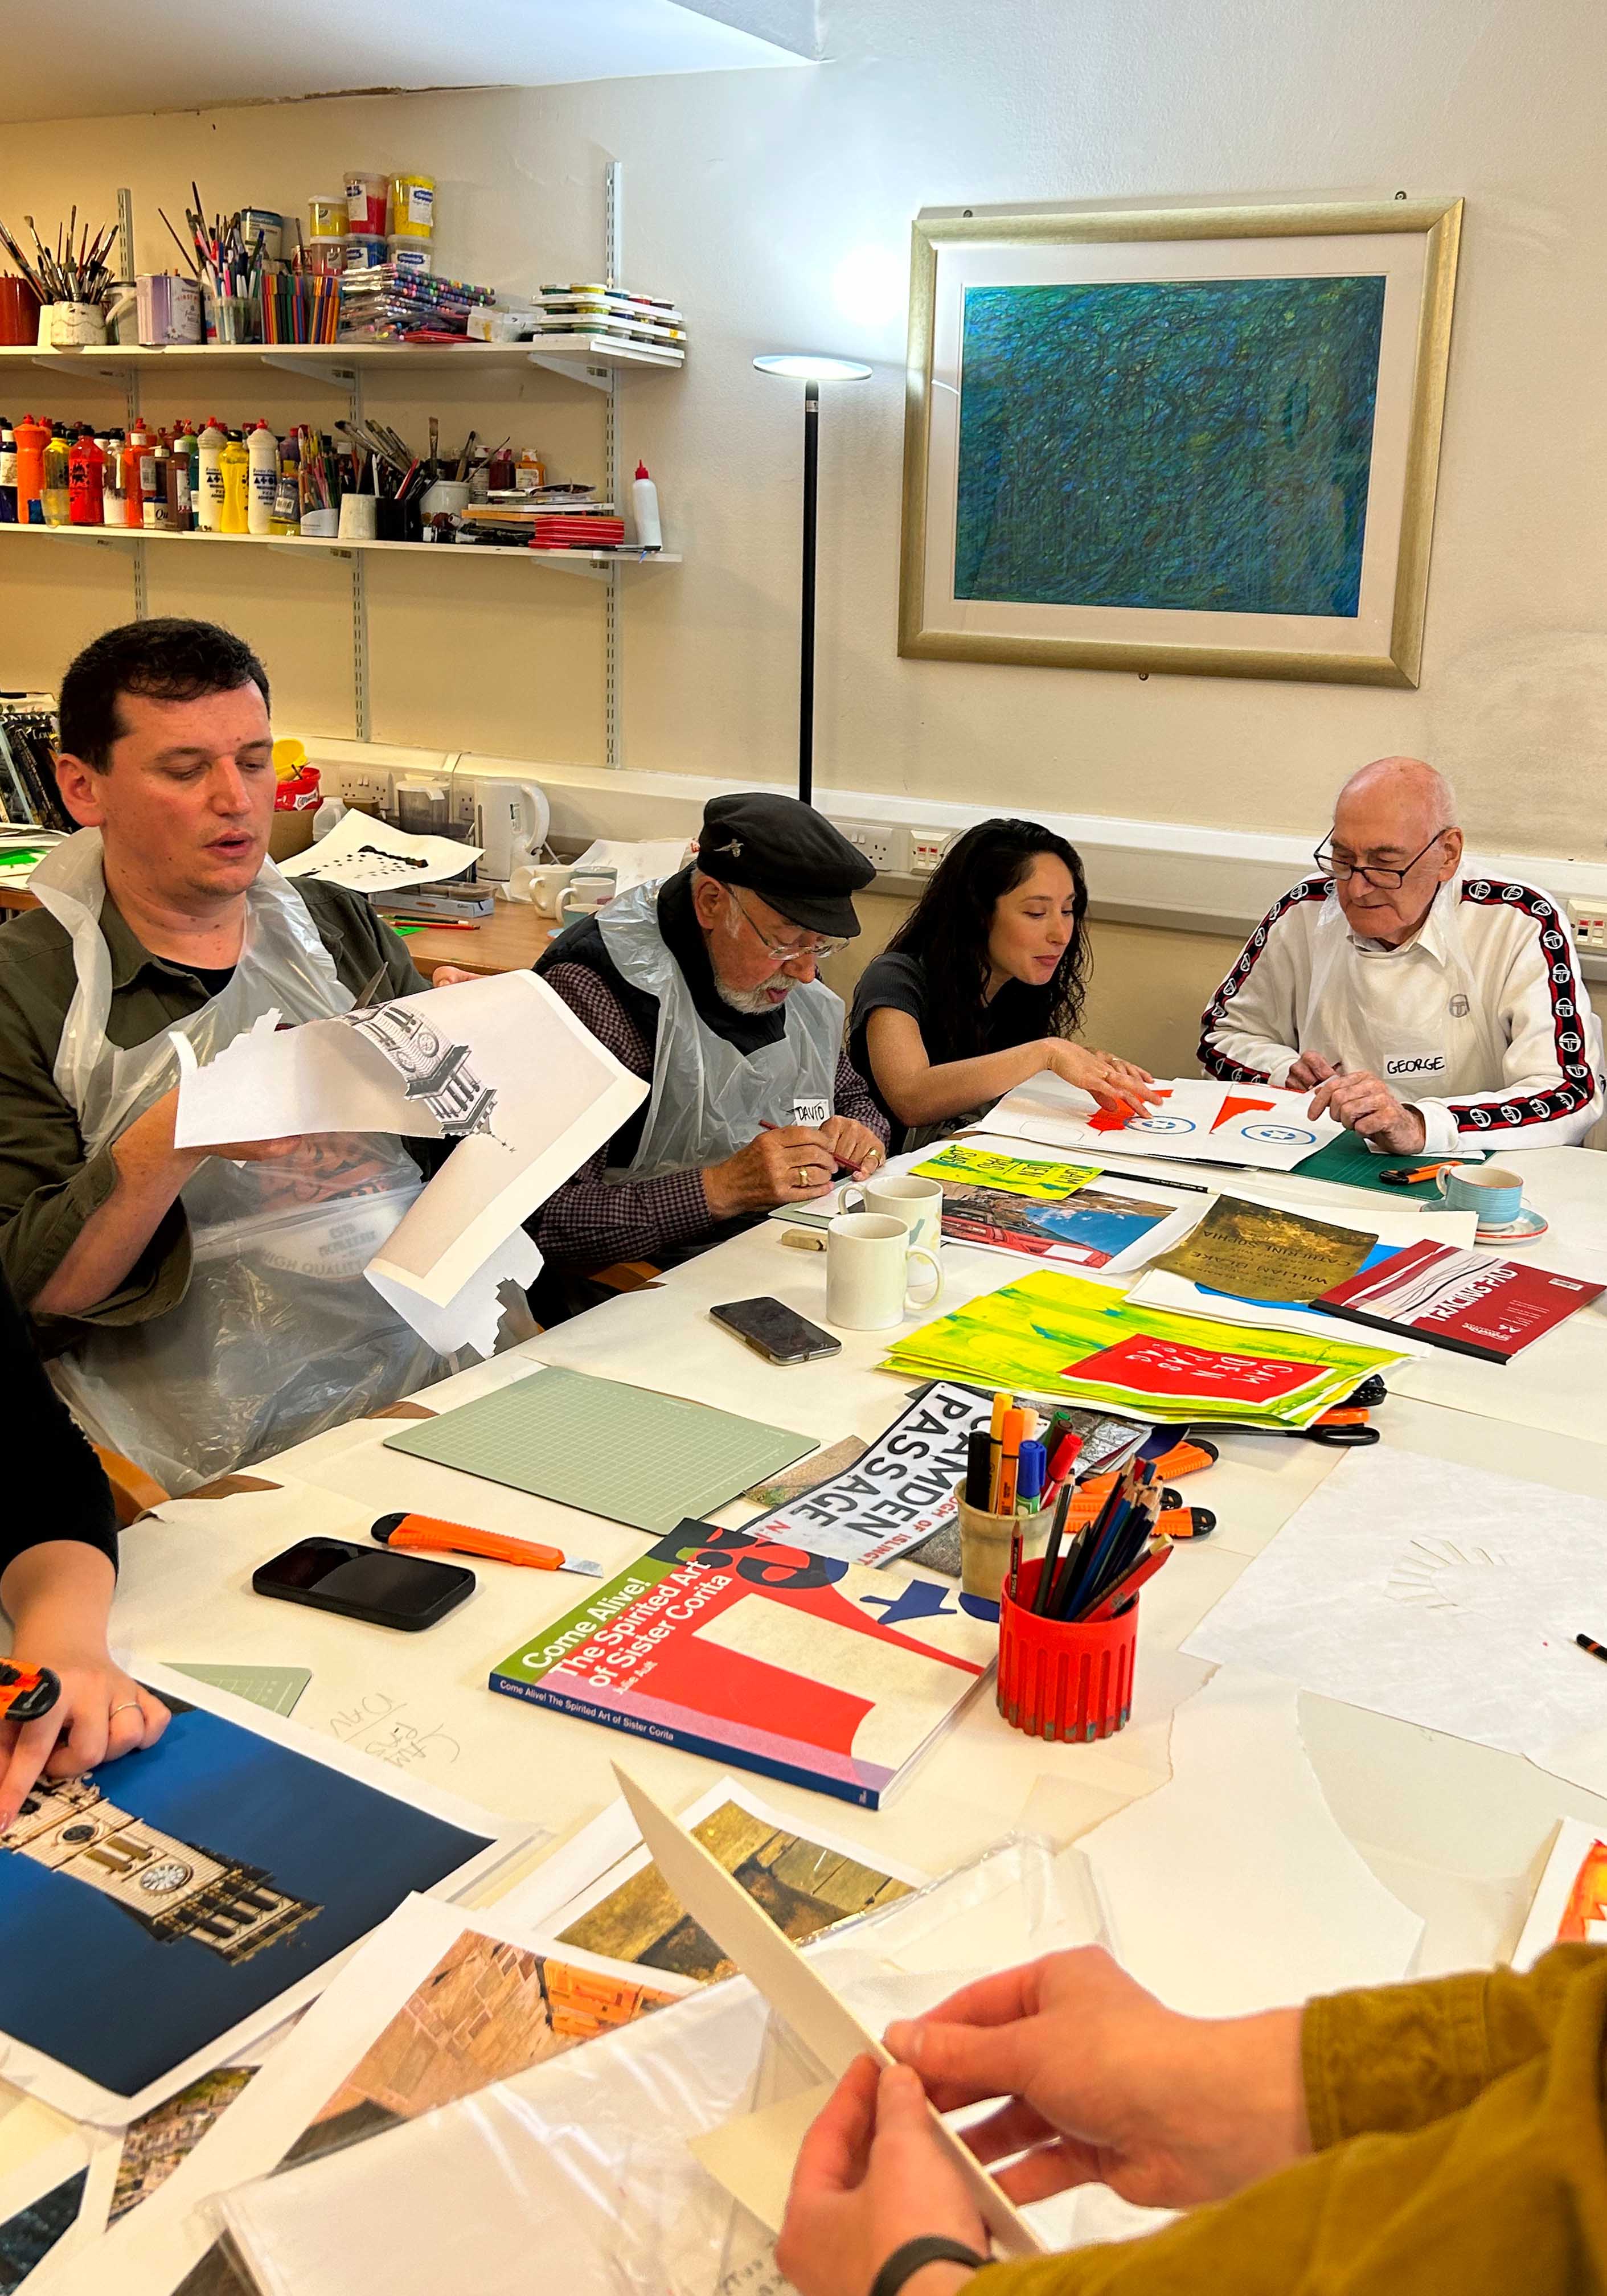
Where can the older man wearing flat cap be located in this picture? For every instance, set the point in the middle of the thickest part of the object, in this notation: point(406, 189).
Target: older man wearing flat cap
point(706, 984)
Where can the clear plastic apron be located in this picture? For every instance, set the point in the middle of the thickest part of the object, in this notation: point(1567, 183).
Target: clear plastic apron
point(1428, 1033)
point(279, 1335)
point(708, 1100)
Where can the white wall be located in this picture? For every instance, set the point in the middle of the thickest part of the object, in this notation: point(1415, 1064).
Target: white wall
point(750, 197)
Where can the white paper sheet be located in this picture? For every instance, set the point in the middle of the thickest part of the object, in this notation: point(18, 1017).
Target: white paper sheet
point(368, 855)
point(1440, 1594)
point(797, 1990)
point(1201, 1122)
point(1242, 1850)
point(501, 1062)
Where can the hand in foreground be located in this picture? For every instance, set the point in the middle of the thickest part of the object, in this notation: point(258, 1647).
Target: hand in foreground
point(1114, 1084)
point(787, 1166)
point(1309, 1072)
point(1369, 1109)
point(870, 2176)
point(1107, 2087)
point(854, 1147)
point(446, 976)
point(101, 1713)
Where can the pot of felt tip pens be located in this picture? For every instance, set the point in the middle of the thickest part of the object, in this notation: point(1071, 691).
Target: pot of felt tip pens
point(1069, 1622)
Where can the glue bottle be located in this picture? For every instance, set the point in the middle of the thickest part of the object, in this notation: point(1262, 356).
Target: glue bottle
point(208, 497)
point(235, 466)
point(8, 473)
point(54, 491)
point(644, 495)
point(262, 455)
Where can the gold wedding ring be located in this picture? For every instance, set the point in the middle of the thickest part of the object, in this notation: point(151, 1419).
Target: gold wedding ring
point(801, 1176)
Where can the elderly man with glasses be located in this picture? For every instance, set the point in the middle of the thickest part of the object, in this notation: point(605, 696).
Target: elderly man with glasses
point(707, 985)
point(1425, 1008)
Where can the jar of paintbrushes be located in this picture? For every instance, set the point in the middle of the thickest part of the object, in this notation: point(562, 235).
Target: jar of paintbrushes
point(68, 284)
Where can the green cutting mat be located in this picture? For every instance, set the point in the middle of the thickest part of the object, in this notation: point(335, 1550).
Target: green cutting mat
point(276, 1687)
point(647, 1460)
point(1349, 1163)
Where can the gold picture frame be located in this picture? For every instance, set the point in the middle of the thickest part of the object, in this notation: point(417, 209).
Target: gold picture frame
point(1396, 260)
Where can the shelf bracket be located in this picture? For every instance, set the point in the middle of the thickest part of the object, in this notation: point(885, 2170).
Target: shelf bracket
point(338, 375)
point(74, 363)
point(600, 378)
point(613, 633)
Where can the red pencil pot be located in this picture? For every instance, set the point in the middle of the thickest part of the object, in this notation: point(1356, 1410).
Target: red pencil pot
point(18, 313)
point(1059, 1679)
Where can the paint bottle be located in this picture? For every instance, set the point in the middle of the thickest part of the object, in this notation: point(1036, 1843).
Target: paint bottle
point(262, 454)
point(154, 507)
point(131, 460)
point(32, 438)
point(208, 497)
point(235, 465)
point(54, 490)
point(287, 492)
point(85, 465)
point(8, 473)
point(644, 495)
point(181, 512)
point(529, 472)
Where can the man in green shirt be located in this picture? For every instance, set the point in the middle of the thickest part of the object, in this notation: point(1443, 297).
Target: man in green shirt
point(202, 1307)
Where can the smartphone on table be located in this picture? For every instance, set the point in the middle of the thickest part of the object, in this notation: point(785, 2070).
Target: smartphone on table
point(776, 1332)
point(365, 1582)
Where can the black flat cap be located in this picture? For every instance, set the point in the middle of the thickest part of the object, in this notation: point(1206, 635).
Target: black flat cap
point(789, 855)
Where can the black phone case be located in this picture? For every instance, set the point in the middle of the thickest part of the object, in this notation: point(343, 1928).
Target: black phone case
point(461, 1587)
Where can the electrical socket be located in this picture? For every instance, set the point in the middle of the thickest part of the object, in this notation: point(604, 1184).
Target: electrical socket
point(927, 848)
point(884, 845)
point(1589, 923)
point(358, 785)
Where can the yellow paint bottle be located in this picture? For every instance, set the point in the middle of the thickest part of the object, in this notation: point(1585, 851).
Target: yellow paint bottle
point(235, 465)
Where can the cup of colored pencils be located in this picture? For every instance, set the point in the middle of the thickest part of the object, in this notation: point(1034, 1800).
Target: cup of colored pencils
point(1069, 1624)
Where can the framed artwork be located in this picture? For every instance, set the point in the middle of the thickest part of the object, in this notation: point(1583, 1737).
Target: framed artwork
point(1199, 441)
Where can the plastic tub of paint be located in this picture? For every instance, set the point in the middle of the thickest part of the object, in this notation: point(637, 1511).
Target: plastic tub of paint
point(266, 224)
point(410, 254)
point(412, 206)
point(326, 217)
point(364, 251)
point(364, 203)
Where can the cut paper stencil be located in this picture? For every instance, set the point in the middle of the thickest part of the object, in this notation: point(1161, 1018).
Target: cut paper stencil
point(500, 1065)
point(1197, 1121)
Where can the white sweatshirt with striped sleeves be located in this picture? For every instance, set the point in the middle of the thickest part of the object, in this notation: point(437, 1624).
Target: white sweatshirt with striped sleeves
point(1481, 1022)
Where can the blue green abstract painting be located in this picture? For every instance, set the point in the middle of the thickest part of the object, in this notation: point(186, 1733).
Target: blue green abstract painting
point(1200, 444)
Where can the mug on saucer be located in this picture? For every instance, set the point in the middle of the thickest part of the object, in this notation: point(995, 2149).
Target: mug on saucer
point(1492, 1191)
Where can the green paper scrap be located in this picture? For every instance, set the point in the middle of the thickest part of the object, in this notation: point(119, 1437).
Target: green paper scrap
point(275, 1688)
point(625, 1453)
point(1348, 1162)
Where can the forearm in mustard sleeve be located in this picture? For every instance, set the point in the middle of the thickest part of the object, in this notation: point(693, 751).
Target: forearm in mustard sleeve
point(1397, 2057)
point(1508, 2193)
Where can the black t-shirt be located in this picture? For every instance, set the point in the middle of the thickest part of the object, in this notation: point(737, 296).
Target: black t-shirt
point(74, 1498)
point(897, 981)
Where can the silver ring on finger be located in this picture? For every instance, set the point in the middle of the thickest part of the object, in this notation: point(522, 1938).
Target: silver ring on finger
point(128, 1706)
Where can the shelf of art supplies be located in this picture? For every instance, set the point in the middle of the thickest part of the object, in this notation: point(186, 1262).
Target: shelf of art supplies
point(591, 359)
point(566, 562)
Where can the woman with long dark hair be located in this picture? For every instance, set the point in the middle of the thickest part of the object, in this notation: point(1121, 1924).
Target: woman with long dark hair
point(982, 984)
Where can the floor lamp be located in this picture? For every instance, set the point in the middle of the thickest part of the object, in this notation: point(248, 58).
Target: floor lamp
point(811, 369)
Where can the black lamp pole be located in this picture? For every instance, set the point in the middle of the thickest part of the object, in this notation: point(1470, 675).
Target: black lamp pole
point(806, 661)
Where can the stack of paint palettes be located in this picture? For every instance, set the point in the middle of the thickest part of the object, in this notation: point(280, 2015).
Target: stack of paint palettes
point(645, 322)
point(1096, 1571)
point(383, 303)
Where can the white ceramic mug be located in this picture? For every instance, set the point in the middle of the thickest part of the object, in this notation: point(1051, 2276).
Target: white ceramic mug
point(869, 1258)
point(543, 888)
point(916, 1204)
point(66, 326)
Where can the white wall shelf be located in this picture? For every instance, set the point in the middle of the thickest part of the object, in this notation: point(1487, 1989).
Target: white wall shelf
point(566, 562)
point(591, 359)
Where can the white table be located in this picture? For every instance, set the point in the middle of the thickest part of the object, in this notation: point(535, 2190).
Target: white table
point(1455, 1830)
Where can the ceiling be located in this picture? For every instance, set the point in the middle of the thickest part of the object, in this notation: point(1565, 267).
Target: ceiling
point(192, 56)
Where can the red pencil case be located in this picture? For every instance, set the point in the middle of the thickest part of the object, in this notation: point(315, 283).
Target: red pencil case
point(1061, 1678)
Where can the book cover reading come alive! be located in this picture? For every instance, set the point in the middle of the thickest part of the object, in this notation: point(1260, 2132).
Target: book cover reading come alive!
point(803, 1666)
